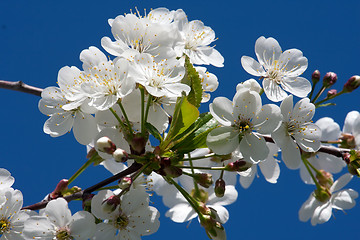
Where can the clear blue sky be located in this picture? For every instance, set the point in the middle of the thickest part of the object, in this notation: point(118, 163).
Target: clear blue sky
point(37, 38)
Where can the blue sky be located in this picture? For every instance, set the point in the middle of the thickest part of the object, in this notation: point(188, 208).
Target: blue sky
point(37, 38)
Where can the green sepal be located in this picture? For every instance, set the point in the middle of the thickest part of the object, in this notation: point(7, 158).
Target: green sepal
point(153, 131)
point(192, 79)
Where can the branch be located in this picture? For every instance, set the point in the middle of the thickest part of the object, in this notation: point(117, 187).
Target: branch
point(21, 87)
point(80, 195)
point(337, 152)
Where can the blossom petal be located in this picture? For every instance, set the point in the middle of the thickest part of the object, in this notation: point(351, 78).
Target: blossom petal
point(293, 62)
point(344, 199)
point(252, 66)
point(307, 209)
point(222, 140)
point(299, 86)
point(267, 50)
point(222, 110)
point(322, 213)
point(253, 147)
point(58, 212)
point(341, 182)
point(273, 90)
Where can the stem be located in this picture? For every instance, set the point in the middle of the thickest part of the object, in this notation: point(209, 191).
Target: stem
point(147, 108)
point(118, 118)
point(312, 166)
point(198, 158)
point(312, 90)
point(196, 187)
point(318, 94)
point(329, 98)
point(133, 178)
point(204, 168)
point(82, 168)
point(79, 195)
point(125, 116)
point(187, 196)
point(305, 161)
point(109, 187)
point(142, 108)
point(21, 87)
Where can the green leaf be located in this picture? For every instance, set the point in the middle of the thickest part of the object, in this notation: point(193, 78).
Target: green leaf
point(185, 114)
point(153, 131)
point(193, 80)
point(196, 139)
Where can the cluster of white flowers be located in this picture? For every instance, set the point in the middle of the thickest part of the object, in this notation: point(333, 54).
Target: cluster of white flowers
point(149, 87)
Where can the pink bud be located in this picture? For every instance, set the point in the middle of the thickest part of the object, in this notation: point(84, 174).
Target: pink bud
point(315, 77)
point(104, 144)
point(120, 155)
point(110, 204)
point(60, 187)
point(329, 79)
point(331, 93)
point(352, 84)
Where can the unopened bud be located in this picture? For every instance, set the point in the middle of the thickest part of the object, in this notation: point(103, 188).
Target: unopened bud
point(213, 228)
point(325, 178)
point(238, 166)
point(125, 183)
point(203, 179)
point(354, 163)
point(315, 77)
point(104, 144)
point(347, 141)
point(220, 187)
point(203, 208)
point(120, 155)
point(110, 204)
point(329, 79)
point(322, 194)
point(172, 171)
point(60, 187)
point(331, 93)
point(352, 84)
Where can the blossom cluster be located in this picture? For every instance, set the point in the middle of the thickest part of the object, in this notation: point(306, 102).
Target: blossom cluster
point(153, 85)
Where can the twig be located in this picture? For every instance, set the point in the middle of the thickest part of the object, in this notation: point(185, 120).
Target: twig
point(21, 87)
point(80, 195)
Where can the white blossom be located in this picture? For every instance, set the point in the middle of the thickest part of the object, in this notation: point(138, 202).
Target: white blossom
point(320, 212)
point(58, 223)
point(280, 70)
point(296, 131)
point(243, 121)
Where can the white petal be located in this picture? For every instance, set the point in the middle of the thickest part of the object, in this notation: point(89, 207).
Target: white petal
point(350, 120)
point(322, 213)
point(181, 212)
point(6, 180)
point(293, 62)
point(82, 225)
point(344, 199)
point(330, 130)
point(267, 50)
point(252, 66)
point(39, 227)
point(222, 110)
point(58, 212)
point(222, 140)
point(307, 209)
point(299, 86)
point(246, 104)
point(270, 169)
point(341, 182)
point(273, 90)
point(247, 180)
point(268, 119)
point(85, 128)
point(253, 147)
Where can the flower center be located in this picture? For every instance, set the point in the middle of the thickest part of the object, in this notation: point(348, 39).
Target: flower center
point(63, 234)
point(121, 222)
point(4, 226)
point(200, 195)
point(274, 73)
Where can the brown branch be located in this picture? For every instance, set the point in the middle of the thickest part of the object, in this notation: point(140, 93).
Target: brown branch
point(80, 195)
point(337, 152)
point(21, 87)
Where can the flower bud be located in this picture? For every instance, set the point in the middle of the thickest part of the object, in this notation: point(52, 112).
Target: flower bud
point(315, 77)
point(354, 162)
point(172, 171)
point(104, 144)
point(213, 228)
point(203, 179)
point(110, 204)
point(322, 194)
point(347, 141)
point(352, 84)
point(238, 166)
point(125, 183)
point(325, 179)
point(331, 93)
point(219, 187)
point(60, 187)
point(120, 155)
point(329, 79)
point(203, 208)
